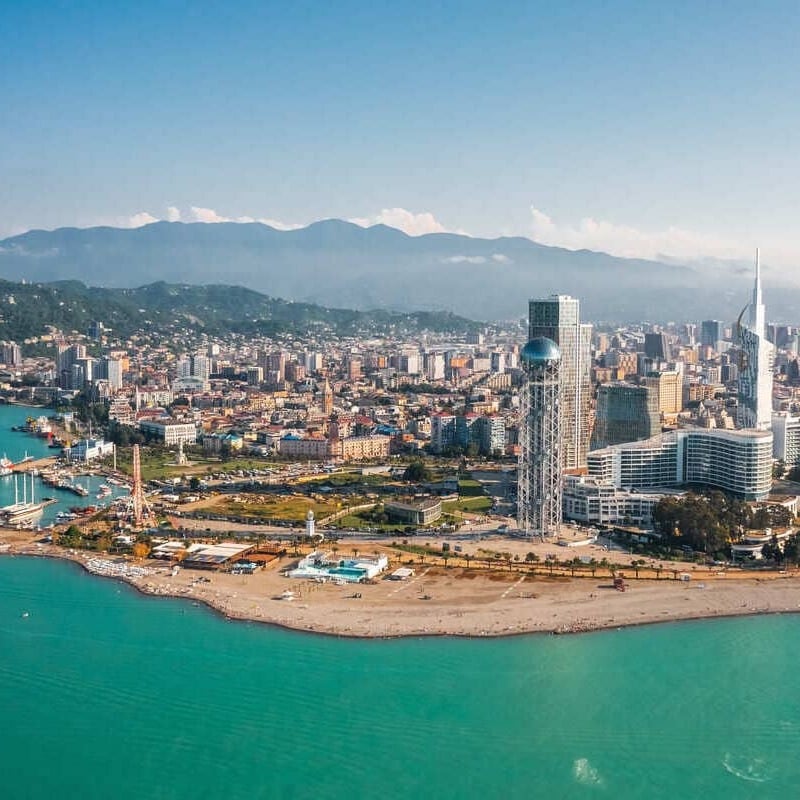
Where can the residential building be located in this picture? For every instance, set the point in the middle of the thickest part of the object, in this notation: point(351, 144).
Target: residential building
point(739, 462)
point(558, 318)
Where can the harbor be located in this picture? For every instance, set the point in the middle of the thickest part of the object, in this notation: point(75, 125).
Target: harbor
point(54, 492)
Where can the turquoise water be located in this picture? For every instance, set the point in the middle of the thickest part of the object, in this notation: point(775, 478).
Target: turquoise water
point(16, 445)
point(108, 694)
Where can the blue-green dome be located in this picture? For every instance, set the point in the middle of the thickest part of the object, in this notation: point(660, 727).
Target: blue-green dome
point(540, 349)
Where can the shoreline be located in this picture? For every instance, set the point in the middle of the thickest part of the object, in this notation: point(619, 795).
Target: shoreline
point(566, 609)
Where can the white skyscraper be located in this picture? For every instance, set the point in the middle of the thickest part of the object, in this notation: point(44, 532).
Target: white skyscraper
point(756, 361)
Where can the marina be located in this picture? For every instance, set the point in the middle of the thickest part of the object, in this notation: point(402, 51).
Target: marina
point(28, 461)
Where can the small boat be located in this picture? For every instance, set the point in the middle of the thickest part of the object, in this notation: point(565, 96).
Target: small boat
point(6, 465)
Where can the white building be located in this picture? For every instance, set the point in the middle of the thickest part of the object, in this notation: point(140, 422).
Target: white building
point(170, 431)
point(739, 462)
point(756, 362)
point(596, 502)
point(89, 449)
point(786, 439)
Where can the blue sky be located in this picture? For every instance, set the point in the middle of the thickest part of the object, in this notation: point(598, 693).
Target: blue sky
point(637, 128)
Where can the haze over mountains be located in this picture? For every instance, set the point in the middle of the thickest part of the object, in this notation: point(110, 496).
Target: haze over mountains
point(340, 264)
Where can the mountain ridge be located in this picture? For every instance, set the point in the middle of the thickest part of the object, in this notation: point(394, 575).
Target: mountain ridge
point(338, 263)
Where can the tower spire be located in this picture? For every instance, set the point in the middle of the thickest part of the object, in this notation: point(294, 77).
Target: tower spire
point(757, 310)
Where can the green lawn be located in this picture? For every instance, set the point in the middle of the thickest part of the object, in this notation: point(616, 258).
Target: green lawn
point(293, 509)
point(158, 464)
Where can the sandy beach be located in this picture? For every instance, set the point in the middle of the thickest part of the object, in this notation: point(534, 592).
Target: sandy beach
point(447, 601)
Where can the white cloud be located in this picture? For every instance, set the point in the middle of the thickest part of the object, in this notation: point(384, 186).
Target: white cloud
point(198, 214)
point(464, 260)
point(630, 242)
point(406, 221)
point(173, 214)
point(136, 220)
point(499, 258)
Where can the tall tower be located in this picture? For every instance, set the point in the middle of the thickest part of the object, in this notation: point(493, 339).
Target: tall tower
point(140, 515)
point(539, 511)
point(558, 318)
point(756, 359)
point(327, 398)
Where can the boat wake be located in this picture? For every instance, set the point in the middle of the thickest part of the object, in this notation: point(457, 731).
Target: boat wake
point(585, 773)
point(754, 770)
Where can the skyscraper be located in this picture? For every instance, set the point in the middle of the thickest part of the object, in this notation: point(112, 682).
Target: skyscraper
point(539, 510)
point(625, 413)
point(656, 345)
point(558, 318)
point(711, 333)
point(756, 359)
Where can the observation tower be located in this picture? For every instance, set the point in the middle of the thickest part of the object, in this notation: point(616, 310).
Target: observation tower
point(539, 511)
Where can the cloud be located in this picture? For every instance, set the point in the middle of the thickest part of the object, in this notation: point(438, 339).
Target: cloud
point(406, 221)
point(198, 214)
point(630, 242)
point(499, 258)
point(464, 260)
point(136, 220)
point(173, 214)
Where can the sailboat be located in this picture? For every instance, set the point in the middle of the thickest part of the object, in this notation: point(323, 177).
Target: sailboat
point(6, 465)
point(25, 513)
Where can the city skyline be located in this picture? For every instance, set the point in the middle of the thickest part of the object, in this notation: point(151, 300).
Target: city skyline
point(268, 113)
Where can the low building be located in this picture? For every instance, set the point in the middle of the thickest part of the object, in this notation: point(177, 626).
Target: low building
point(360, 448)
point(421, 512)
point(202, 556)
point(89, 449)
point(169, 431)
point(315, 448)
point(595, 502)
point(324, 566)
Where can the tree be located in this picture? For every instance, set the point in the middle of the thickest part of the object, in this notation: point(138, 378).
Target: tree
point(779, 469)
point(141, 550)
point(417, 472)
point(194, 483)
point(791, 549)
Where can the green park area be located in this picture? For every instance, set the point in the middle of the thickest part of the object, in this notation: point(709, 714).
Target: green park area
point(158, 463)
point(292, 508)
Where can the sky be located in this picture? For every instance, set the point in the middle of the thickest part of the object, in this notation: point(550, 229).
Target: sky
point(640, 129)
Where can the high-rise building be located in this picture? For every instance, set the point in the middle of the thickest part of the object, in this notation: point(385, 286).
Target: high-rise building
point(558, 318)
point(668, 389)
point(539, 509)
point(10, 354)
point(625, 413)
point(711, 333)
point(112, 372)
point(756, 358)
point(443, 432)
point(739, 462)
point(656, 346)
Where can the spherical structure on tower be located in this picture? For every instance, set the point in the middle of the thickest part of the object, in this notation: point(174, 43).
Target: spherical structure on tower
point(540, 350)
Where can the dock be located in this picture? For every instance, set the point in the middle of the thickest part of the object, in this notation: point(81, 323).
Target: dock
point(36, 463)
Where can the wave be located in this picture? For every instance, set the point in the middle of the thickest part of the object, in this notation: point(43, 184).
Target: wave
point(755, 770)
point(585, 773)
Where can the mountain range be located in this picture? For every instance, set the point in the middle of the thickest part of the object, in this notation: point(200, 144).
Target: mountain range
point(339, 264)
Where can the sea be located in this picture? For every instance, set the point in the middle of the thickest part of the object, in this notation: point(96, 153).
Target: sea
point(16, 445)
point(109, 694)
